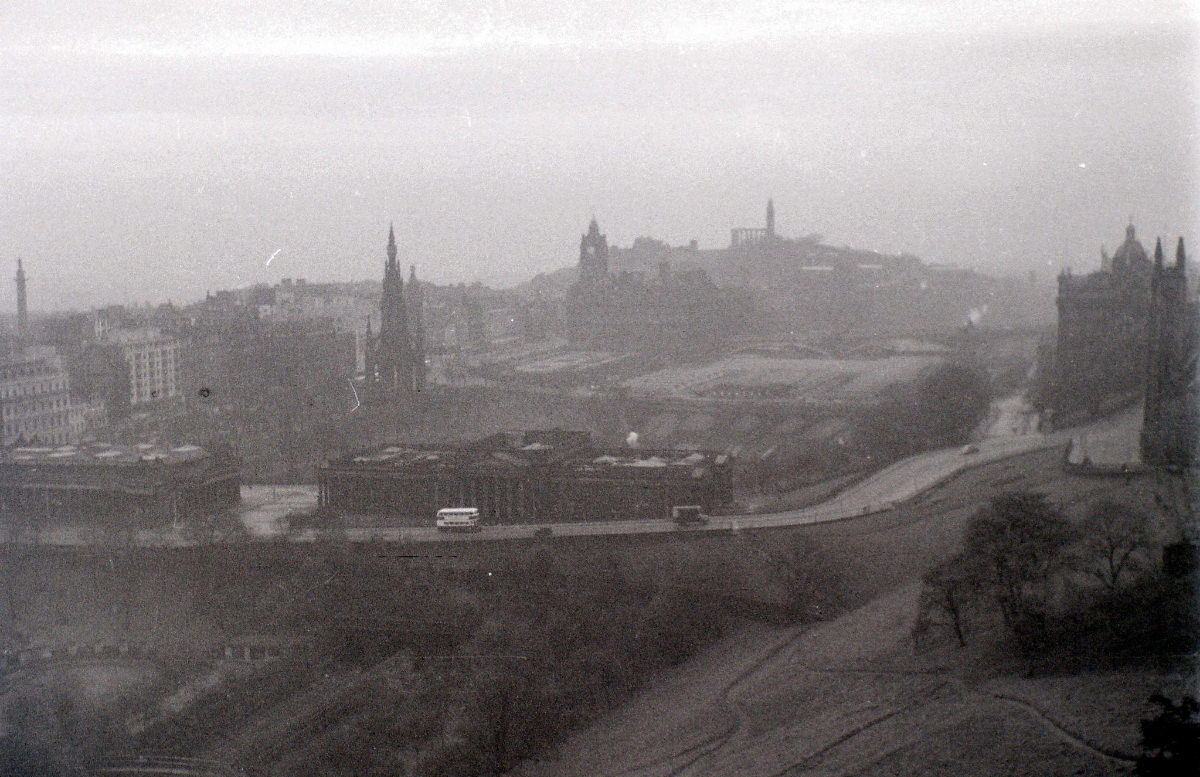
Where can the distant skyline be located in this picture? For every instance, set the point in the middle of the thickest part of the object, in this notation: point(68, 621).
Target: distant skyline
point(154, 151)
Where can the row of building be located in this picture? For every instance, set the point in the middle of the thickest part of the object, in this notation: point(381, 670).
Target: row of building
point(529, 477)
point(803, 285)
point(100, 484)
point(672, 310)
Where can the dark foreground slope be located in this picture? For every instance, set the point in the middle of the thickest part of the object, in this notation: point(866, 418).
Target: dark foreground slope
point(852, 696)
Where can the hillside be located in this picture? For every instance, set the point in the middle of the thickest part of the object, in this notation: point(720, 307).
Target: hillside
point(851, 696)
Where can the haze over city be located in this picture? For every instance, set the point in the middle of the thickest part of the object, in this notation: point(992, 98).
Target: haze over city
point(154, 151)
point(560, 389)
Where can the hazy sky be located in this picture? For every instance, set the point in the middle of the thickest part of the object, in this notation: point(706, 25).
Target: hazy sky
point(154, 150)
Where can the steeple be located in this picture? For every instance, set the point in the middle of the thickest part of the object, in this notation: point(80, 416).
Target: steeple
point(770, 218)
point(393, 364)
point(22, 305)
point(1180, 257)
point(593, 255)
point(1158, 252)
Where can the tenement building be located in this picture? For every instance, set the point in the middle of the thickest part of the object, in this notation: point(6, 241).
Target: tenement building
point(98, 483)
point(529, 477)
point(153, 361)
point(35, 399)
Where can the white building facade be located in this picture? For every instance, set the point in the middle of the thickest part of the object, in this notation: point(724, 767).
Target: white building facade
point(35, 400)
point(153, 360)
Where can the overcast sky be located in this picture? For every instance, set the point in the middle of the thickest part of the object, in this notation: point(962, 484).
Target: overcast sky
point(155, 150)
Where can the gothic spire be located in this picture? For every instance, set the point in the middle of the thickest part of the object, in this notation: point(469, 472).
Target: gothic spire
point(1180, 256)
point(391, 247)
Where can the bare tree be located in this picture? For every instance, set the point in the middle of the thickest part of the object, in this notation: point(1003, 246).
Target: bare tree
point(950, 589)
point(810, 581)
point(1116, 544)
point(1019, 542)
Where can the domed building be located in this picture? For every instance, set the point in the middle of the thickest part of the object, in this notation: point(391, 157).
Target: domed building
point(1130, 257)
point(1103, 320)
point(1128, 332)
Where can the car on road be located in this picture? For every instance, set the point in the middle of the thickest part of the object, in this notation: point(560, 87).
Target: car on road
point(688, 514)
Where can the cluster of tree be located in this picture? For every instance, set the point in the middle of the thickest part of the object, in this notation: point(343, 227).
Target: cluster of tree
point(1057, 586)
point(942, 408)
point(501, 657)
point(523, 652)
point(507, 656)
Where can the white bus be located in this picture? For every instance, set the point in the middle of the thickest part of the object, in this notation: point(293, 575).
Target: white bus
point(458, 519)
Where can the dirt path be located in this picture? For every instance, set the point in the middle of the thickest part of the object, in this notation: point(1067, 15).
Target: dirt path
point(1060, 730)
point(732, 707)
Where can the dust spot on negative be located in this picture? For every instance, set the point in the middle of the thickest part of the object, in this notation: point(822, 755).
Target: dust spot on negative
point(205, 392)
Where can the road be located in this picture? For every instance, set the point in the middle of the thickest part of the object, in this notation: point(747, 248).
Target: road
point(263, 506)
point(897, 483)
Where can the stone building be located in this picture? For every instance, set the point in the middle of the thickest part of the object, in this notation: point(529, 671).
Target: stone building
point(667, 311)
point(35, 389)
point(99, 483)
point(1103, 330)
point(529, 477)
point(35, 399)
point(1169, 425)
point(801, 286)
point(153, 361)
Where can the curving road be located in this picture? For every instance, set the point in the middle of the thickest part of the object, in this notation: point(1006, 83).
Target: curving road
point(886, 488)
point(263, 506)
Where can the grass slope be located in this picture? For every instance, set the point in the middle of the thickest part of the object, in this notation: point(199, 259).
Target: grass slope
point(850, 696)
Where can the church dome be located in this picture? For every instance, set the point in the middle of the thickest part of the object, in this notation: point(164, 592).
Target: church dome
point(1130, 254)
